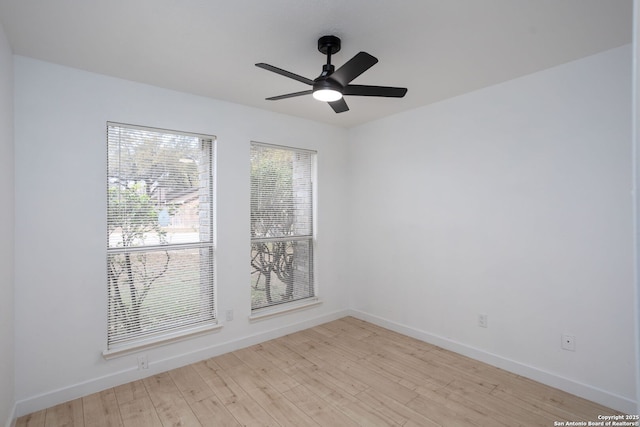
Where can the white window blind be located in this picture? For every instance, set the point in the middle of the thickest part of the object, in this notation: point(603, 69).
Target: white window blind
point(160, 233)
point(282, 235)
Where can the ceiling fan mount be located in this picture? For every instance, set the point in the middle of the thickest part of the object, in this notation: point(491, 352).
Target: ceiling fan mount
point(331, 85)
point(328, 45)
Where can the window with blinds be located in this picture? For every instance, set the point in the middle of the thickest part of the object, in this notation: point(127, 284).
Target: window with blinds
point(160, 234)
point(282, 235)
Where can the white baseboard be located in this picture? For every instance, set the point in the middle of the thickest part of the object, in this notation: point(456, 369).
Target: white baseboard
point(11, 421)
point(620, 403)
point(75, 391)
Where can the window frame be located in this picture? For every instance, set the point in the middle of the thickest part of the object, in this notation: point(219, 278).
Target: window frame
point(173, 332)
point(280, 308)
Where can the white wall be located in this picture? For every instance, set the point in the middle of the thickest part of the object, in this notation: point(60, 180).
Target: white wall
point(6, 231)
point(60, 140)
point(513, 201)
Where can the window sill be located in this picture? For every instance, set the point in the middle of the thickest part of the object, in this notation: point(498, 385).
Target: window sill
point(125, 349)
point(266, 313)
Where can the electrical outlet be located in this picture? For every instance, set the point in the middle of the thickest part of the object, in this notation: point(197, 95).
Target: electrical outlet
point(569, 342)
point(143, 363)
point(229, 315)
point(483, 320)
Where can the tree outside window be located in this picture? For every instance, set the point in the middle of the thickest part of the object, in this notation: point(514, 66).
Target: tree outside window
point(160, 232)
point(281, 225)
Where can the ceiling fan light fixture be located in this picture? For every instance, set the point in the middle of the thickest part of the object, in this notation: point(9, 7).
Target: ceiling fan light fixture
point(327, 95)
point(327, 90)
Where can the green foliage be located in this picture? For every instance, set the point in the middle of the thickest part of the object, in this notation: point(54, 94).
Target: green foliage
point(272, 215)
point(272, 194)
point(167, 162)
point(133, 214)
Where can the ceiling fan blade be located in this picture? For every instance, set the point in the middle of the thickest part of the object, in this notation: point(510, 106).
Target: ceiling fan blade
point(339, 106)
point(364, 90)
point(353, 68)
point(285, 73)
point(290, 95)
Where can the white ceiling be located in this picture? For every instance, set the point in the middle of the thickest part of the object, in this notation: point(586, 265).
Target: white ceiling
point(435, 48)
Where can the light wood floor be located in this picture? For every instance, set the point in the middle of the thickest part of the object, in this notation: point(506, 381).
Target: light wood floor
point(344, 373)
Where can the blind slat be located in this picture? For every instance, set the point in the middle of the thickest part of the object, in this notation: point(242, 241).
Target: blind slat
point(160, 245)
point(281, 225)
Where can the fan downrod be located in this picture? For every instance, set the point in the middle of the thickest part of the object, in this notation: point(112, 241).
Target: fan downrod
point(328, 45)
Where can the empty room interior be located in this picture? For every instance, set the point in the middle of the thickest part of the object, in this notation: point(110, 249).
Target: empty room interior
point(191, 234)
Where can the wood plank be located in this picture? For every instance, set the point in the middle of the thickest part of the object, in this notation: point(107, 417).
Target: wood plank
point(190, 384)
point(328, 369)
point(393, 409)
point(325, 386)
point(35, 419)
point(297, 337)
point(435, 370)
point(540, 413)
point(341, 327)
point(325, 348)
point(469, 409)
point(280, 409)
point(247, 411)
point(68, 414)
point(351, 348)
point(226, 361)
point(365, 415)
point(136, 408)
point(497, 410)
point(101, 410)
point(441, 414)
point(131, 391)
point(379, 382)
point(172, 408)
point(281, 356)
point(212, 413)
point(324, 331)
point(320, 410)
point(554, 401)
point(270, 372)
point(139, 412)
point(404, 374)
point(201, 398)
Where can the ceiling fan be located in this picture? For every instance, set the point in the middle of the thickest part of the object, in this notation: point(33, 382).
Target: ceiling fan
point(331, 85)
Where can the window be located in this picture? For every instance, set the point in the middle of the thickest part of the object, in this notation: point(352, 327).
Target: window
point(160, 227)
point(282, 237)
